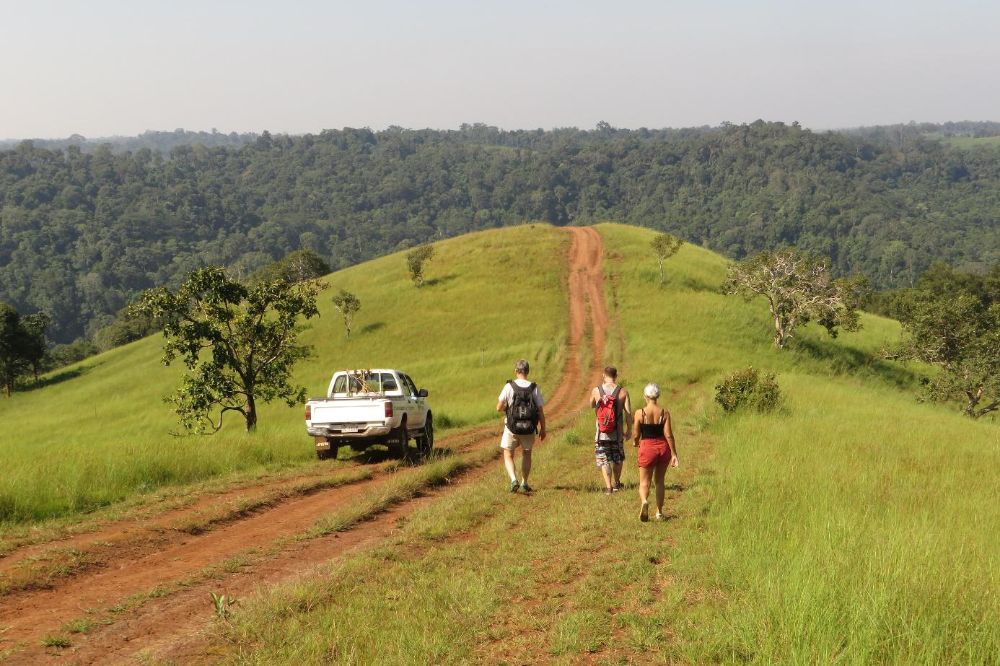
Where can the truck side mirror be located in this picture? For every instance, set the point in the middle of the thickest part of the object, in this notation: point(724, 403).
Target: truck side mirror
point(422, 393)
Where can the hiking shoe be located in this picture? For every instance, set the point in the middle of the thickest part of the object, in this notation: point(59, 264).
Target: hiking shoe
point(660, 517)
point(620, 486)
point(525, 487)
point(514, 485)
point(615, 489)
point(644, 512)
point(608, 491)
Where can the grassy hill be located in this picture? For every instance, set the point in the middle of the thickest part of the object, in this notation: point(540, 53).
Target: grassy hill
point(98, 432)
point(853, 526)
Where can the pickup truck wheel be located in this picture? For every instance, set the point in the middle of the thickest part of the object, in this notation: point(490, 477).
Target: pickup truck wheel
point(400, 441)
point(328, 454)
point(426, 440)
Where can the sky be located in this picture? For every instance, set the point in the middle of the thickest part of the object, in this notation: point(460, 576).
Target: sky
point(116, 67)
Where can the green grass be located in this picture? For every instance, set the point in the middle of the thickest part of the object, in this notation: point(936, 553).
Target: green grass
point(100, 436)
point(852, 526)
point(973, 142)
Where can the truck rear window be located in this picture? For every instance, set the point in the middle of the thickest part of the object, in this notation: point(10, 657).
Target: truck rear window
point(373, 383)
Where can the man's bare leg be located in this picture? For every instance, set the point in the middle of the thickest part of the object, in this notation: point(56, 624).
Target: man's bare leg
point(508, 462)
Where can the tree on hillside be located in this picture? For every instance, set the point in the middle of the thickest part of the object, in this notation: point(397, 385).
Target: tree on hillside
point(238, 342)
point(665, 246)
point(799, 288)
point(12, 343)
point(347, 305)
point(35, 346)
point(294, 267)
point(23, 346)
point(415, 260)
point(952, 321)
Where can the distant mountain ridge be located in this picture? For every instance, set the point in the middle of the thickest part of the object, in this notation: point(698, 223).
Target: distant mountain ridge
point(155, 140)
point(83, 231)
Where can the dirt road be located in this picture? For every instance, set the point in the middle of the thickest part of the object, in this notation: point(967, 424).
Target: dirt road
point(145, 585)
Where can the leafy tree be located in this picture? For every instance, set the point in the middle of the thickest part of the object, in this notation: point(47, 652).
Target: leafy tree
point(415, 260)
point(952, 321)
point(124, 329)
point(294, 267)
point(799, 288)
point(35, 346)
point(665, 246)
point(238, 342)
point(347, 305)
point(12, 343)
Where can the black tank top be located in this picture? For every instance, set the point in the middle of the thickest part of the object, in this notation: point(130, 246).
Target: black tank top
point(651, 430)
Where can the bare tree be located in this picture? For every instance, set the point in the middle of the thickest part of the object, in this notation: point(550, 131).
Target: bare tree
point(799, 288)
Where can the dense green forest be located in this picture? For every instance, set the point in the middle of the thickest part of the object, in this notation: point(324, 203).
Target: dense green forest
point(83, 231)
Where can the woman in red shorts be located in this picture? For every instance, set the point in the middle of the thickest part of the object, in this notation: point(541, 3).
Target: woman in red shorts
point(657, 450)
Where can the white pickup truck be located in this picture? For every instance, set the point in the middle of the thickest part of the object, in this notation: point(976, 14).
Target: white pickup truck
point(364, 407)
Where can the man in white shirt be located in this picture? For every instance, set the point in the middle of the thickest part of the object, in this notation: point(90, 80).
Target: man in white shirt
point(522, 401)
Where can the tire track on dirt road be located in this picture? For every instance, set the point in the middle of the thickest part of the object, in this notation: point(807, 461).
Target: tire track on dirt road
point(162, 621)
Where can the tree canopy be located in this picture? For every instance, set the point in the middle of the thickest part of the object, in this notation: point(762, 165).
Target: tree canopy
point(84, 231)
point(238, 342)
point(799, 288)
point(952, 320)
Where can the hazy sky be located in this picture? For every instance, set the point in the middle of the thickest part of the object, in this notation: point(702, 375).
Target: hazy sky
point(102, 67)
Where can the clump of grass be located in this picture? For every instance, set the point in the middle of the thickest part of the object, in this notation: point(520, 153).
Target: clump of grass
point(56, 642)
point(79, 626)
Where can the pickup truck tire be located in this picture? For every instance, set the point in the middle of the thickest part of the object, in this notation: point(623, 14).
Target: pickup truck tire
point(328, 454)
point(399, 441)
point(425, 442)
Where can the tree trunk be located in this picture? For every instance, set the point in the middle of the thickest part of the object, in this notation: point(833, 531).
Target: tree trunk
point(251, 414)
point(779, 333)
point(661, 271)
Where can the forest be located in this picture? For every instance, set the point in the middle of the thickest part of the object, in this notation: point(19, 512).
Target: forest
point(84, 231)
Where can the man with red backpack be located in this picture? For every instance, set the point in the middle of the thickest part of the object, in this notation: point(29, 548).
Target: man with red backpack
point(613, 412)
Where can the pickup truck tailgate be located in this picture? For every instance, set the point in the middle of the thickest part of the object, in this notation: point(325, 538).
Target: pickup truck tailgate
point(348, 411)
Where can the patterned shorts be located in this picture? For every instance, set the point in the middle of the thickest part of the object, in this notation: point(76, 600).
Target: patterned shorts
point(609, 453)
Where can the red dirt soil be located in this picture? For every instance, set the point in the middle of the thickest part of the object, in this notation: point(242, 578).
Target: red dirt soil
point(171, 625)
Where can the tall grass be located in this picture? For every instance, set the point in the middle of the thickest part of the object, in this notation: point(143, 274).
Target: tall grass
point(102, 435)
point(854, 525)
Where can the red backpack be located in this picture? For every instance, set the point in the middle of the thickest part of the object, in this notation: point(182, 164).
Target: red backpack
point(607, 411)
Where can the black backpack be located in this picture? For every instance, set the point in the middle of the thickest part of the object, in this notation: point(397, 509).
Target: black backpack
point(522, 412)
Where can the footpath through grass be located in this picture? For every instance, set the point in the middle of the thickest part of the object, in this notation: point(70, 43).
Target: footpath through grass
point(484, 576)
point(97, 434)
point(853, 526)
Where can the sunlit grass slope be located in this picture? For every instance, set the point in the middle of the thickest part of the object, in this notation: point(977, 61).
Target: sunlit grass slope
point(855, 526)
point(103, 435)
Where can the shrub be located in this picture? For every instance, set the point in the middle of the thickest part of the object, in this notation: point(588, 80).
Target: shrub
point(748, 388)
